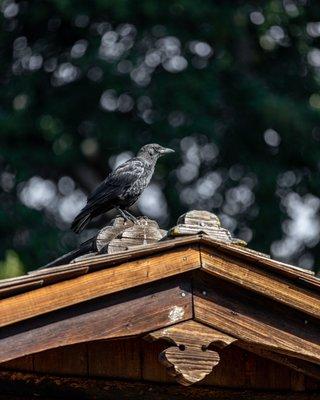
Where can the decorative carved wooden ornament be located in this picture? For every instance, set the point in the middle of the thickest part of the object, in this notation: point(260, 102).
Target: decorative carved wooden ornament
point(190, 360)
point(144, 232)
point(196, 221)
point(121, 235)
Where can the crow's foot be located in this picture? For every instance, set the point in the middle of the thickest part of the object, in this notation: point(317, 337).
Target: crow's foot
point(128, 216)
point(131, 217)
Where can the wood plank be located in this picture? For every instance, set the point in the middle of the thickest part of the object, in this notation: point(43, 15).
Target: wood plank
point(137, 359)
point(239, 368)
point(96, 284)
point(76, 388)
point(230, 372)
point(298, 381)
point(19, 364)
point(103, 261)
point(129, 313)
point(255, 319)
point(152, 369)
point(115, 358)
point(246, 275)
point(312, 384)
point(67, 360)
point(19, 288)
point(248, 254)
point(305, 367)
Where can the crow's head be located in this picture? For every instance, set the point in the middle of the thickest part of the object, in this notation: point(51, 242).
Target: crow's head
point(153, 151)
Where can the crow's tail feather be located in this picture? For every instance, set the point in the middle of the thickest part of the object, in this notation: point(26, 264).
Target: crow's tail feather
point(80, 222)
point(85, 248)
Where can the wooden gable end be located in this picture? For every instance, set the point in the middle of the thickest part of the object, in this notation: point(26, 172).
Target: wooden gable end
point(134, 359)
point(201, 300)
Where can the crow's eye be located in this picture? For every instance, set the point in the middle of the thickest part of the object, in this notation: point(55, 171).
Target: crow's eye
point(151, 152)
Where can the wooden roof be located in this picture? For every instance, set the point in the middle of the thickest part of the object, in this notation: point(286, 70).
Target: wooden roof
point(47, 276)
point(206, 290)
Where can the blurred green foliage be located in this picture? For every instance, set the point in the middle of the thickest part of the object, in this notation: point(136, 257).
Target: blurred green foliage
point(11, 266)
point(233, 86)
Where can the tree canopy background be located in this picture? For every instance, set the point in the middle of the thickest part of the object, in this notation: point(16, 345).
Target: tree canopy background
point(234, 87)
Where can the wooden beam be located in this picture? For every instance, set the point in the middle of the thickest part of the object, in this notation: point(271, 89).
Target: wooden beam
point(102, 261)
point(264, 260)
point(305, 367)
point(255, 319)
point(96, 284)
point(134, 312)
point(259, 281)
point(14, 384)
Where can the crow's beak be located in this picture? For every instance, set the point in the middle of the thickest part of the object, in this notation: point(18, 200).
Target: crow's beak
point(165, 150)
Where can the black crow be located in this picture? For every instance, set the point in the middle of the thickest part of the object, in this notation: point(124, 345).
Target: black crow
point(122, 188)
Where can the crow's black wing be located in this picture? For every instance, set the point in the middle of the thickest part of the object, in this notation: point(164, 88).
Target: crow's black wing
point(116, 183)
point(107, 194)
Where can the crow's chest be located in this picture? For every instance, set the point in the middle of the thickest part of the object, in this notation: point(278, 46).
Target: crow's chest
point(134, 191)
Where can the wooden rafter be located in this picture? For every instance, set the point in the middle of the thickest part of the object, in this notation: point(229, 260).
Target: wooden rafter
point(135, 312)
point(255, 319)
point(96, 284)
point(257, 280)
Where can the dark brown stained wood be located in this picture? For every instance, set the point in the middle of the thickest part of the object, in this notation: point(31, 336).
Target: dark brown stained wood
point(69, 360)
point(19, 364)
point(311, 384)
point(152, 369)
point(246, 275)
point(115, 358)
point(255, 319)
point(231, 371)
point(297, 381)
point(15, 289)
point(29, 386)
point(239, 368)
point(311, 281)
point(96, 284)
point(137, 359)
point(302, 366)
point(190, 360)
point(128, 313)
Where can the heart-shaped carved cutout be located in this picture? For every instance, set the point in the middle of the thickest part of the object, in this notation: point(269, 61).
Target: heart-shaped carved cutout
point(189, 365)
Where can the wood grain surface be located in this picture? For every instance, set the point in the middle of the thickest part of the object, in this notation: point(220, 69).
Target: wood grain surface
point(134, 312)
point(190, 361)
point(134, 358)
point(257, 280)
point(255, 319)
point(95, 284)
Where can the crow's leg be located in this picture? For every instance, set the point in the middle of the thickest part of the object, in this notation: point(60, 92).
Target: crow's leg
point(131, 217)
point(127, 216)
point(123, 214)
